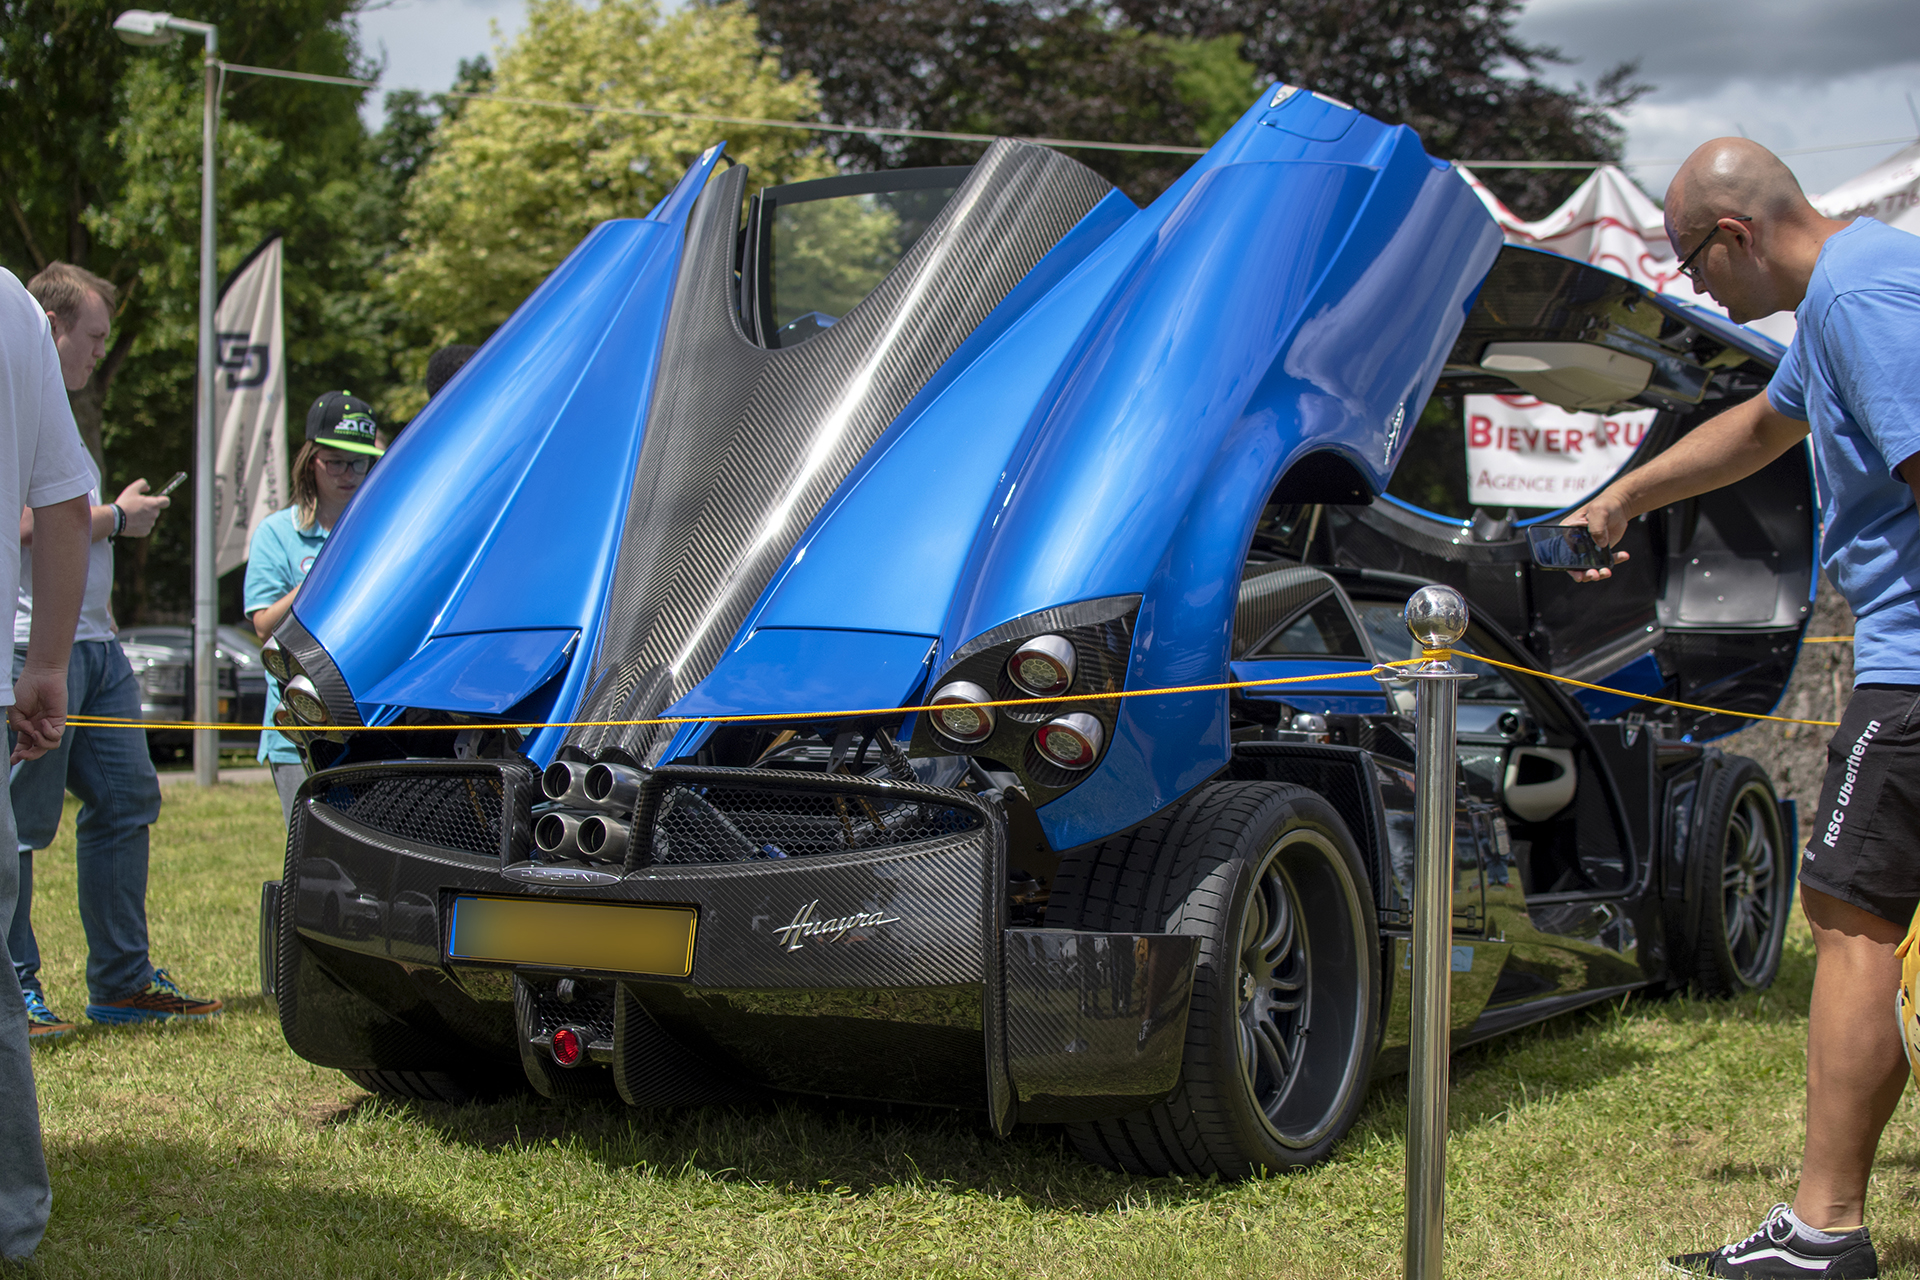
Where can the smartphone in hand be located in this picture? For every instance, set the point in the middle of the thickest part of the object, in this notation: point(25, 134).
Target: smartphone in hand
point(1566, 546)
point(179, 477)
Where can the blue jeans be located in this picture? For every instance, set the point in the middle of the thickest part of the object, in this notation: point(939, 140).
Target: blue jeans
point(111, 772)
point(25, 1196)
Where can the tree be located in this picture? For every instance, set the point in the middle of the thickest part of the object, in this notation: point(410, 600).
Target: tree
point(1008, 67)
point(1453, 70)
point(100, 166)
point(510, 189)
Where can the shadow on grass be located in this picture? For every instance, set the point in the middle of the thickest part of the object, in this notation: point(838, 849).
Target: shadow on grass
point(132, 1208)
point(801, 1145)
point(809, 1145)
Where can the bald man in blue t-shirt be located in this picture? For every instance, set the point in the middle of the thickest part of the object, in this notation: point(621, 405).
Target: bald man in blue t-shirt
point(1746, 235)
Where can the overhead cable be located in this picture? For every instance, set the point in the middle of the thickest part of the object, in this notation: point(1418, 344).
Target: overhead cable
point(811, 126)
point(816, 126)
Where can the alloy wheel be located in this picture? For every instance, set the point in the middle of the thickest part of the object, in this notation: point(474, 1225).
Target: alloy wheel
point(1752, 881)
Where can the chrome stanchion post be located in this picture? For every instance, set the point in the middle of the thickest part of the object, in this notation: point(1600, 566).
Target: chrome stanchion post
point(1437, 617)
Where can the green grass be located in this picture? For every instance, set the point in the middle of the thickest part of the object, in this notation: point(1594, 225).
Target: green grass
point(1585, 1148)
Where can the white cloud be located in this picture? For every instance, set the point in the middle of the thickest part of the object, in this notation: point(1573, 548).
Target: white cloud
point(423, 41)
point(1692, 48)
point(1786, 73)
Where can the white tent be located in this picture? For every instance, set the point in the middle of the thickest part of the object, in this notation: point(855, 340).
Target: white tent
point(1612, 223)
point(1890, 191)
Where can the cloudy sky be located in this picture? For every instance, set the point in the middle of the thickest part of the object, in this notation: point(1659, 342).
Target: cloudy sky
point(1788, 73)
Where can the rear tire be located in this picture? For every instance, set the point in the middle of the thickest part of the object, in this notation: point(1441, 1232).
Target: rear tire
point(1267, 876)
point(1740, 882)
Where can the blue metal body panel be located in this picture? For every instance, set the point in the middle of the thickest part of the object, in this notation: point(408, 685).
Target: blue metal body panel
point(1112, 429)
point(500, 507)
point(488, 673)
point(781, 669)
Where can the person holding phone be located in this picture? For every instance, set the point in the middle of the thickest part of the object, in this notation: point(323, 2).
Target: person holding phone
point(342, 443)
point(1744, 232)
point(108, 769)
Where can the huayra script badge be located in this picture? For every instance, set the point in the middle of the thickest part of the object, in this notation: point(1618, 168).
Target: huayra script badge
point(794, 935)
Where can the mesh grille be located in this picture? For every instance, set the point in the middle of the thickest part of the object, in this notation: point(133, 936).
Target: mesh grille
point(452, 810)
point(591, 1009)
point(731, 823)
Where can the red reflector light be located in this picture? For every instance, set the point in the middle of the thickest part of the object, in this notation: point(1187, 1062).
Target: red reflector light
point(567, 1047)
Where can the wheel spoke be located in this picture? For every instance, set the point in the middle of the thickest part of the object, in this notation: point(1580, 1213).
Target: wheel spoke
point(1275, 1054)
point(1739, 922)
point(1277, 907)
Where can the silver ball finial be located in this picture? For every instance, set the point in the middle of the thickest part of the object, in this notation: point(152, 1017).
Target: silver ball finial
point(1437, 616)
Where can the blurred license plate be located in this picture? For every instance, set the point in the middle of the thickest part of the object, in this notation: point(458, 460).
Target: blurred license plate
point(612, 937)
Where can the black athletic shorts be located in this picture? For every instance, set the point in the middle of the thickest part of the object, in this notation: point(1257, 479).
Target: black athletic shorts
point(1866, 833)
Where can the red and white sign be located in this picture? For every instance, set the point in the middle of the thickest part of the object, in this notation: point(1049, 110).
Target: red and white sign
point(1522, 453)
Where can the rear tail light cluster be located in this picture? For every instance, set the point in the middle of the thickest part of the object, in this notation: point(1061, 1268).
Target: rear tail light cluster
point(1039, 668)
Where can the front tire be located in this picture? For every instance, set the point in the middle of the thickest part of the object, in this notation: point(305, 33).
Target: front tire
point(1740, 880)
point(1267, 876)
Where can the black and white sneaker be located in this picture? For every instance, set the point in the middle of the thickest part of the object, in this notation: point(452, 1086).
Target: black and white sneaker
point(1778, 1250)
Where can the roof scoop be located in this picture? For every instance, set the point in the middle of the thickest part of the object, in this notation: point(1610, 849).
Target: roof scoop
point(1573, 375)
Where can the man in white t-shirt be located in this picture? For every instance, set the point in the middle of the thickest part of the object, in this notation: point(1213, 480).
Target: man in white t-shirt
point(108, 769)
point(43, 466)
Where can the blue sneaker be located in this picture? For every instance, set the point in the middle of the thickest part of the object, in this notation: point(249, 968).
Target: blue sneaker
point(160, 1002)
point(42, 1022)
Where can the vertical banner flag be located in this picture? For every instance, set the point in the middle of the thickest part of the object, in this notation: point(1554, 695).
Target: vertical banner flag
point(249, 405)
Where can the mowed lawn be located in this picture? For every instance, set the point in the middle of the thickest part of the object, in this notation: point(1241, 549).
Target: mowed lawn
point(1586, 1148)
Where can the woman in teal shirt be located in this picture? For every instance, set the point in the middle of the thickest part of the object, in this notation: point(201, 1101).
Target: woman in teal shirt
point(342, 442)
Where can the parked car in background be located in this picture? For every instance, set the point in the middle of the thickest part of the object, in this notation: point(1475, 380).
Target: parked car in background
point(162, 660)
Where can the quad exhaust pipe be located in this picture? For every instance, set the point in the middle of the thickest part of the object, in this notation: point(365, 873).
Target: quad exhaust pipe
point(597, 837)
point(595, 823)
point(611, 788)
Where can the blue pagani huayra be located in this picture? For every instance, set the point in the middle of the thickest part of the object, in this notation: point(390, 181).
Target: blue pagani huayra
point(995, 434)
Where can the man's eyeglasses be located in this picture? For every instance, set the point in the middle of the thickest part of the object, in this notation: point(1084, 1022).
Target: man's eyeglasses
point(347, 466)
point(1687, 268)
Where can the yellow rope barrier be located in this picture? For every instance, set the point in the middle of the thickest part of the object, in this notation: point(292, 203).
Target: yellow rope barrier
point(1826, 639)
point(1644, 697)
point(109, 722)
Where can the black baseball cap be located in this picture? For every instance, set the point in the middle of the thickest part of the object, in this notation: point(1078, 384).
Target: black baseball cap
point(340, 421)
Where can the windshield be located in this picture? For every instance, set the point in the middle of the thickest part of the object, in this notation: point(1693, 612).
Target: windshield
point(823, 246)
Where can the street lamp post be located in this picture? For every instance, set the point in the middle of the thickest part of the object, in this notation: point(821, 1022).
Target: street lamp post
point(142, 27)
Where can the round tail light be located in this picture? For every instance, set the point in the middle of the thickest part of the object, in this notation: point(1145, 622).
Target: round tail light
point(1043, 666)
point(963, 723)
point(568, 1048)
point(278, 662)
point(303, 700)
point(1070, 741)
